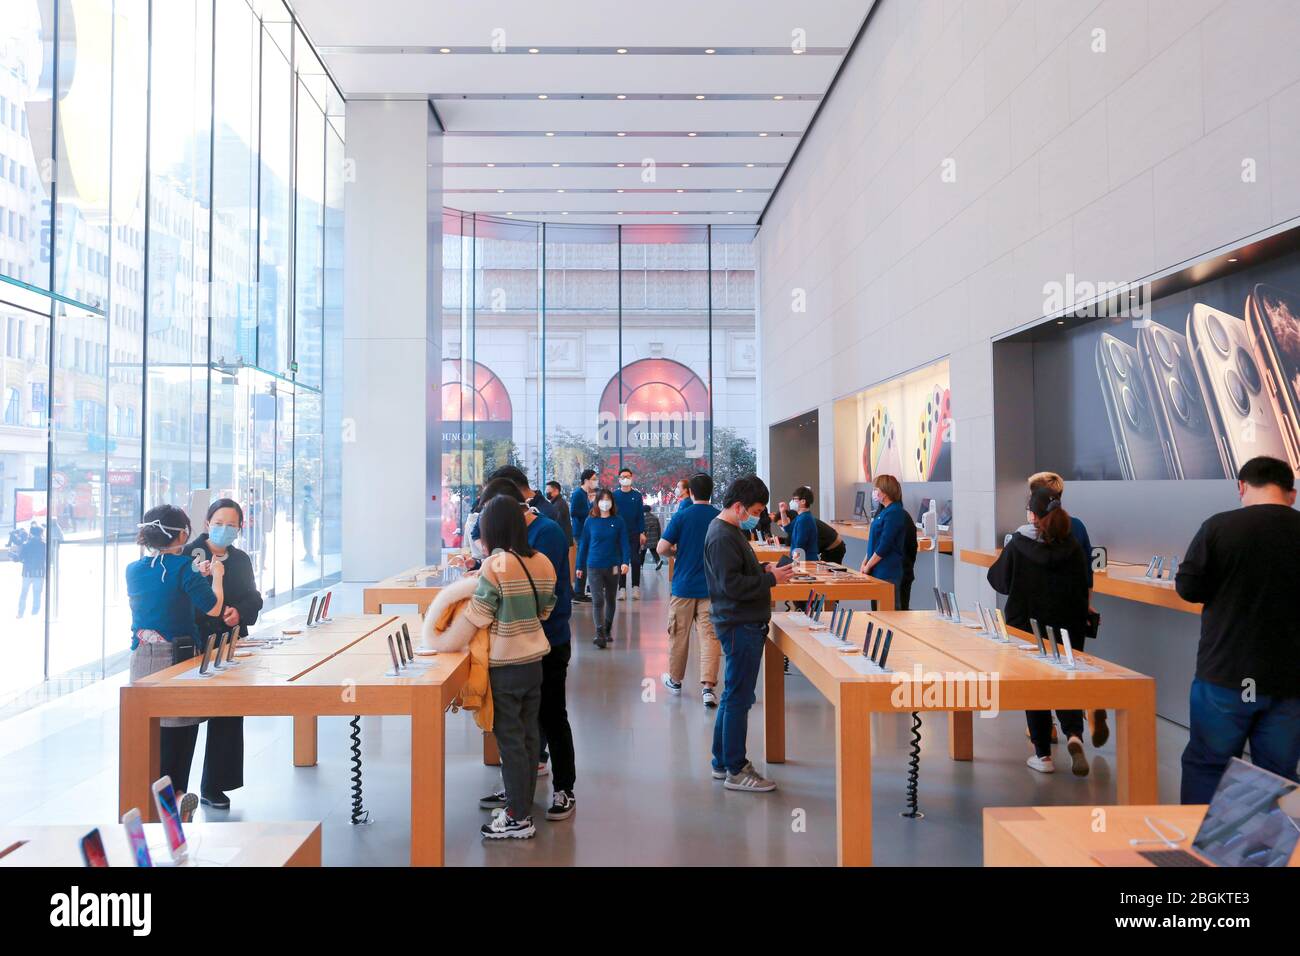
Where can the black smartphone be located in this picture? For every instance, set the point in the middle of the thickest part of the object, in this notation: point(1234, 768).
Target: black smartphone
point(884, 652)
point(1038, 634)
point(875, 648)
point(311, 612)
point(783, 561)
point(1051, 637)
point(406, 639)
point(207, 654)
point(866, 641)
point(392, 652)
point(845, 620)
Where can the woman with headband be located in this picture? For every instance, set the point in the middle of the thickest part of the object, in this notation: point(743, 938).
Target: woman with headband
point(166, 587)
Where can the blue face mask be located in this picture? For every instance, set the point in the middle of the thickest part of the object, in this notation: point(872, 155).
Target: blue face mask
point(223, 535)
point(749, 524)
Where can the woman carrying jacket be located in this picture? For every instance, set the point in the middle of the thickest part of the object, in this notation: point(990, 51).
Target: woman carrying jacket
point(604, 552)
point(223, 755)
point(1044, 574)
point(514, 594)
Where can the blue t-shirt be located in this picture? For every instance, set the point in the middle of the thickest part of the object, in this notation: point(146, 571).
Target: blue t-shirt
point(630, 506)
point(164, 593)
point(604, 544)
point(886, 540)
point(684, 503)
point(687, 530)
point(579, 508)
point(803, 534)
point(547, 536)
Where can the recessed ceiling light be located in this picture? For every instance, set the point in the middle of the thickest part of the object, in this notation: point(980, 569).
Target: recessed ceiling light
point(533, 49)
point(541, 96)
point(798, 50)
point(675, 213)
point(778, 97)
point(500, 190)
point(445, 50)
point(620, 212)
point(730, 212)
point(740, 190)
point(622, 134)
point(491, 164)
point(749, 165)
point(559, 190)
point(621, 165)
point(552, 134)
point(620, 190)
point(622, 49)
point(681, 190)
point(762, 134)
point(509, 214)
point(564, 213)
point(622, 96)
point(690, 134)
point(685, 165)
point(710, 50)
point(699, 96)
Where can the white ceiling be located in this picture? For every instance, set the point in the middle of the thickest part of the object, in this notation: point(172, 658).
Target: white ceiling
point(486, 93)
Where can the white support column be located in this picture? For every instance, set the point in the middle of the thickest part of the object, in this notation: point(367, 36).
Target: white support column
point(392, 339)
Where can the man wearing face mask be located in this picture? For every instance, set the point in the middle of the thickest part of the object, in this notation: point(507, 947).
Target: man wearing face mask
point(579, 508)
point(629, 503)
point(803, 529)
point(1243, 565)
point(740, 605)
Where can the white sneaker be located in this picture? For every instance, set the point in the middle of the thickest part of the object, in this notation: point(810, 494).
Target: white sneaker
point(636, 593)
point(1041, 764)
point(673, 685)
point(622, 594)
point(748, 779)
point(710, 697)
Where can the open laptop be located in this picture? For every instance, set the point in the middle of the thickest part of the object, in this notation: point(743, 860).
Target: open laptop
point(1253, 820)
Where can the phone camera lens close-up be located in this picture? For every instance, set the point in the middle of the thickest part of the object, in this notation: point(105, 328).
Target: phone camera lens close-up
point(1237, 391)
point(1181, 400)
point(1165, 348)
point(1249, 371)
point(1118, 360)
point(1218, 334)
point(1132, 406)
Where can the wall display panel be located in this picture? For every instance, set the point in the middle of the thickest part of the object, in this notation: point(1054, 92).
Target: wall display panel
point(1188, 386)
point(905, 427)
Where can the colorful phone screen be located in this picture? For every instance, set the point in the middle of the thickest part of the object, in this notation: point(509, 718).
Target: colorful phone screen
point(92, 849)
point(1282, 317)
point(139, 843)
point(171, 818)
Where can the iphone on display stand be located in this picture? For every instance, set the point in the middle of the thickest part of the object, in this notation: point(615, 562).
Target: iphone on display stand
point(1190, 443)
point(92, 849)
point(311, 612)
point(218, 641)
point(169, 812)
point(1069, 651)
point(1038, 636)
point(1051, 639)
point(207, 654)
point(956, 608)
point(135, 837)
point(1002, 624)
point(866, 641)
point(392, 652)
point(1241, 406)
point(845, 620)
point(1273, 321)
point(1128, 410)
point(884, 651)
point(938, 601)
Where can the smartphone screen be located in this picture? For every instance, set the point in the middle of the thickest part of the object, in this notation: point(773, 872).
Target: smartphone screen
point(136, 838)
point(1279, 319)
point(92, 849)
point(170, 813)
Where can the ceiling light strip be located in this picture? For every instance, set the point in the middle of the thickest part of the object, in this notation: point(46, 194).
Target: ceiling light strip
point(632, 97)
point(733, 134)
point(524, 50)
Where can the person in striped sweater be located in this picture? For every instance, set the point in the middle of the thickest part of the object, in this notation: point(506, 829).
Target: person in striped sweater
point(515, 593)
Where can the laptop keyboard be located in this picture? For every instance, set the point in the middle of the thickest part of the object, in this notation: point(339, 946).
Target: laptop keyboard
point(1171, 858)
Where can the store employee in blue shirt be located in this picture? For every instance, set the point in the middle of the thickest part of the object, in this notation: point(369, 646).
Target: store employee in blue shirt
point(629, 503)
point(579, 506)
point(803, 529)
point(885, 540)
point(689, 604)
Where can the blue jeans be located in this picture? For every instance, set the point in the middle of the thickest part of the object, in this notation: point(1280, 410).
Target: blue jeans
point(35, 587)
point(1222, 723)
point(742, 646)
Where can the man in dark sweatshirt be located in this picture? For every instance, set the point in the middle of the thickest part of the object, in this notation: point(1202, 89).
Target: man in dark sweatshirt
point(1244, 565)
point(740, 601)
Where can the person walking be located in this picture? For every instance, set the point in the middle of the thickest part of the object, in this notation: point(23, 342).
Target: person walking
point(688, 605)
point(579, 508)
point(629, 502)
point(604, 552)
point(32, 557)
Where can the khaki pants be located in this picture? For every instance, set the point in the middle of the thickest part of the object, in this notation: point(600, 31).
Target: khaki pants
point(682, 613)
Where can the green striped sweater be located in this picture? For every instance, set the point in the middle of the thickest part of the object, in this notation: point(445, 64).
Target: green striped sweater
point(504, 603)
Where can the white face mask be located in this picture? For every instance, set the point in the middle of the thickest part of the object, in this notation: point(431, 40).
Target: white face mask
point(625, 482)
point(604, 505)
point(793, 504)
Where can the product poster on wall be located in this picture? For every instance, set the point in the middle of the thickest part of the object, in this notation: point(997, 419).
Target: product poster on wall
point(906, 426)
point(1190, 387)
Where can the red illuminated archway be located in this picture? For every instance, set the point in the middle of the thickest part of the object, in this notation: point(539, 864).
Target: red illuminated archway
point(656, 385)
point(483, 399)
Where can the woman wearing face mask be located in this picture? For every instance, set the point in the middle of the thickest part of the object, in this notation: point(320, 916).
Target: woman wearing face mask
point(885, 545)
point(223, 756)
point(683, 495)
point(165, 591)
point(603, 554)
point(803, 529)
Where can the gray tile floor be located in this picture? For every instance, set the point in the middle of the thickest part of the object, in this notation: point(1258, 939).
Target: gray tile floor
point(644, 791)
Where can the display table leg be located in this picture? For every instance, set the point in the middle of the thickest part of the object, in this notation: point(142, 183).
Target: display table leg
point(427, 779)
point(853, 776)
point(139, 756)
point(304, 740)
point(773, 703)
point(961, 734)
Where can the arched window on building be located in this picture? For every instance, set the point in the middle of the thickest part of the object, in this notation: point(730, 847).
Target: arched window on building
point(477, 437)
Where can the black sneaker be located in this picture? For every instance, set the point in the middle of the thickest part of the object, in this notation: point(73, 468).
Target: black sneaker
point(601, 641)
point(562, 805)
point(582, 598)
point(214, 799)
point(506, 827)
point(493, 801)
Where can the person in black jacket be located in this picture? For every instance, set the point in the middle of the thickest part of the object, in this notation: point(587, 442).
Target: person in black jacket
point(1244, 565)
point(740, 605)
point(1044, 575)
point(32, 556)
point(223, 756)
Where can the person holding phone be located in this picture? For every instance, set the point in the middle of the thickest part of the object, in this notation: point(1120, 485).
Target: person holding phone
point(740, 606)
point(514, 596)
point(1044, 575)
point(166, 588)
point(223, 755)
point(886, 547)
point(604, 553)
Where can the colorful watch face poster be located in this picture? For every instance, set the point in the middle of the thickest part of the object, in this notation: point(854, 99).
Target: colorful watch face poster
point(906, 426)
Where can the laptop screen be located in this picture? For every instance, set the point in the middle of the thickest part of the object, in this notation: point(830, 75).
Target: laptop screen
point(1253, 820)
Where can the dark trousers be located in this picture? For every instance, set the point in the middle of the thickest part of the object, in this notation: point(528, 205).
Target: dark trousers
point(1040, 721)
point(176, 752)
point(604, 589)
point(223, 755)
point(904, 596)
point(835, 555)
point(742, 648)
point(553, 716)
point(633, 548)
point(1222, 723)
point(516, 699)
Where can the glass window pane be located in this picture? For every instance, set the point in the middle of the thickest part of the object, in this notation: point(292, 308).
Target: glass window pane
point(735, 357)
point(332, 372)
point(310, 194)
point(276, 221)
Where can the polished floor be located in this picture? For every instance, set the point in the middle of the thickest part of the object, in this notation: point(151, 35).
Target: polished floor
point(645, 795)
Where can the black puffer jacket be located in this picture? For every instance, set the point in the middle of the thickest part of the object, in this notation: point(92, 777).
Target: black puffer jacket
point(1046, 582)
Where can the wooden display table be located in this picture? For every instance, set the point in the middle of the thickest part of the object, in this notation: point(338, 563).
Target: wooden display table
point(1119, 580)
point(769, 552)
point(418, 586)
point(1071, 836)
point(924, 544)
point(845, 586)
point(341, 669)
point(210, 844)
point(960, 673)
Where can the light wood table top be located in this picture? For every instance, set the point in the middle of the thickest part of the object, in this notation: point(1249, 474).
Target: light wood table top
point(210, 844)
point(842, 586)
point(769, 552)
point(1072, 836)
point(938, 665)
point(418, 585)
point(1119, 580)
point(862, 531)
point(341, 668)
